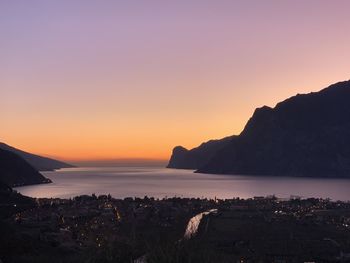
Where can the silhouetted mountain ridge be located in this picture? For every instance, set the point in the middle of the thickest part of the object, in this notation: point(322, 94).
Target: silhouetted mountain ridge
point(305, 135)
point(38, 162)
point(182, 158)
point(15, 171)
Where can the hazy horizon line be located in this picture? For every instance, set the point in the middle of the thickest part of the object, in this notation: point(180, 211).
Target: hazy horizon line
point(119, 162)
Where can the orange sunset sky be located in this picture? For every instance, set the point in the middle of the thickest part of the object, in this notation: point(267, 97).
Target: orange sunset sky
point(90, 80)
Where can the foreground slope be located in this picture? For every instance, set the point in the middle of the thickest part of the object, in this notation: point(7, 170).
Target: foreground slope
point(15, 171)
point(38, 162)
point(306, 135)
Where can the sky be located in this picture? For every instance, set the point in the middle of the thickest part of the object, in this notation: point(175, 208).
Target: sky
point(99, 80)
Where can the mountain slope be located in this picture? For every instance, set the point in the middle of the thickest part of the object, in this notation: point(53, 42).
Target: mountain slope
point(15, 171)
point(12, 202)
point(38, 162)
point(195, 158)
point(306, 135)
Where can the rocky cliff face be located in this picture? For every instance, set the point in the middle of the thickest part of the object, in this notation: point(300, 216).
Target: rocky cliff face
point(195, 158)
point(305, 135)
point(15, 171)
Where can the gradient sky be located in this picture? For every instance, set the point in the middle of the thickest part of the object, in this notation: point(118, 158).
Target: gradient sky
point(131, 79)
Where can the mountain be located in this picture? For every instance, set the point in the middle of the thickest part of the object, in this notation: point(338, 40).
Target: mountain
point(38, 162)
point(195, 158)
point(305, 135)
point(15, 171)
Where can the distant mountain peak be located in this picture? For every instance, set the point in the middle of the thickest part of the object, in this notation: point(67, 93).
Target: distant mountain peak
point(39, 162)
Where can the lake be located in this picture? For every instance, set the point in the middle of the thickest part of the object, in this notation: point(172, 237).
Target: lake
point(160, 182)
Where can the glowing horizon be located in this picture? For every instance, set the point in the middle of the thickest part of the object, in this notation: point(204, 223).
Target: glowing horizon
point(103, 81)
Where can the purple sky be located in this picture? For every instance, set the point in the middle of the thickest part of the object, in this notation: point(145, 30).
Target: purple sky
point(132, 79)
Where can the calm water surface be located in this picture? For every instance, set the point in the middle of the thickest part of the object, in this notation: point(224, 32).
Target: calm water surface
point(123, 182)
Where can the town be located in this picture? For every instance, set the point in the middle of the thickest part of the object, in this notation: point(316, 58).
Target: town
point(103, 229)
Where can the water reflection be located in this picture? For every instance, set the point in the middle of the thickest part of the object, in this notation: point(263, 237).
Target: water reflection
point(122, 182)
